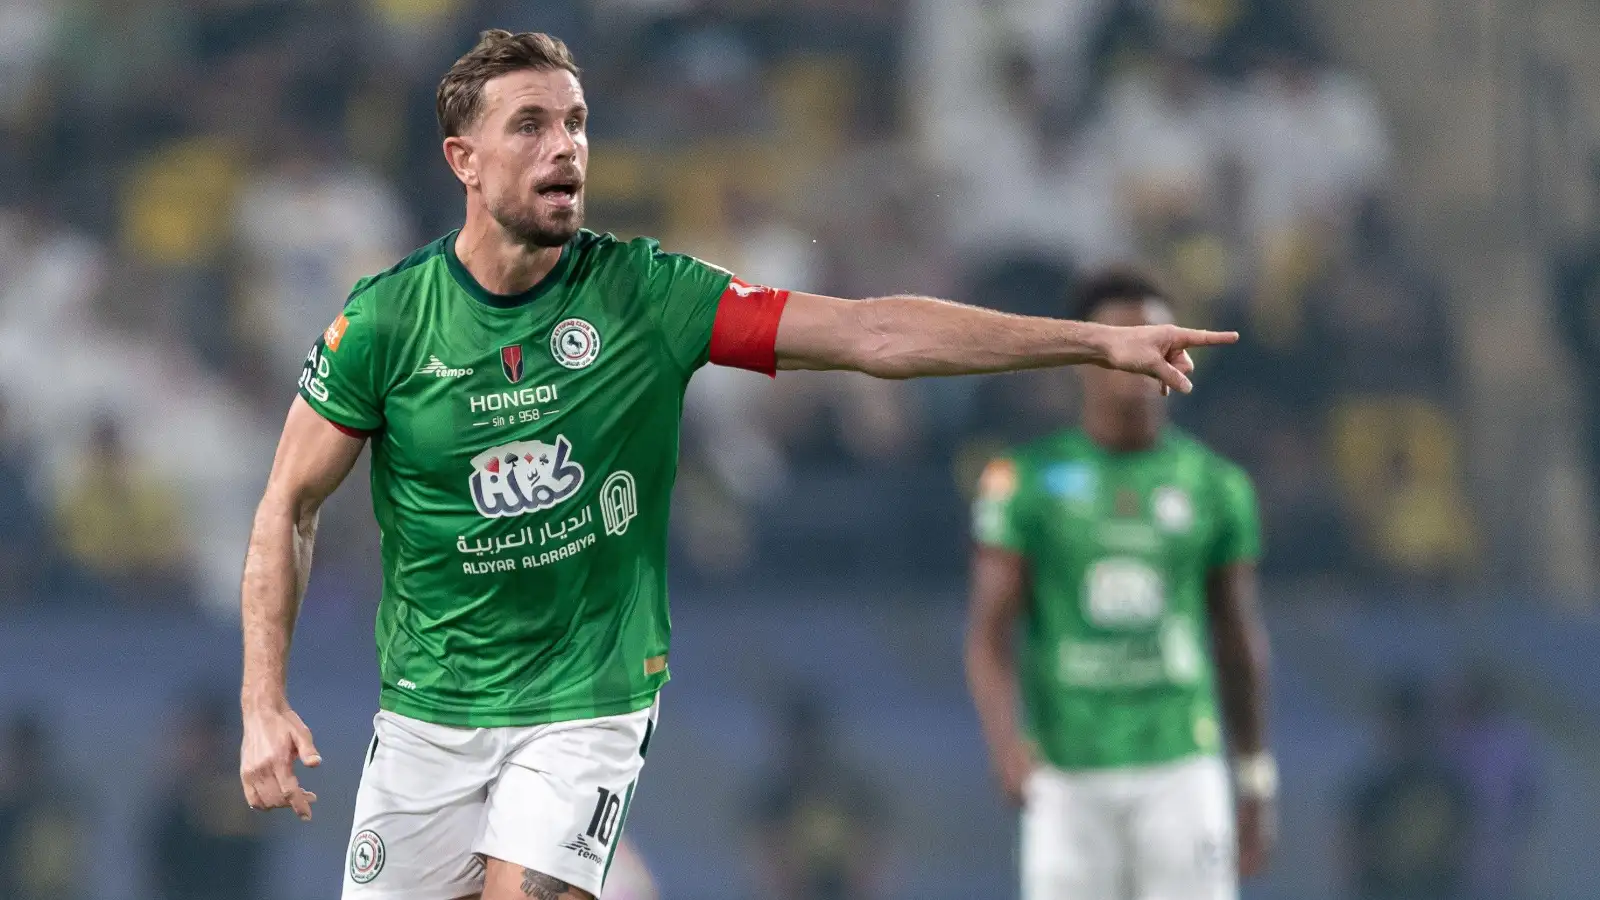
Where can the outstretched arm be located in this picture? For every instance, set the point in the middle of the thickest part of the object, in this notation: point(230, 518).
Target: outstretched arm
point(909, 337)
point(313, 457)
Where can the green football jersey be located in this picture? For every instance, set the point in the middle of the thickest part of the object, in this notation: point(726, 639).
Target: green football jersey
point(523, 455)
point(1115, 667)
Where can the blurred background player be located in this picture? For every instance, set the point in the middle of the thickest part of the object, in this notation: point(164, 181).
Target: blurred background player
point(1127, 551)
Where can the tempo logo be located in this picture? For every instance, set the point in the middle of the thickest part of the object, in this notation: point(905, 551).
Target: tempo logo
point(436, 367)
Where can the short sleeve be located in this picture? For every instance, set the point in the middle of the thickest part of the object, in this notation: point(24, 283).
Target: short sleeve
point(339, 378)
point(682, 294)
point(1239, 528)
point(997, 512)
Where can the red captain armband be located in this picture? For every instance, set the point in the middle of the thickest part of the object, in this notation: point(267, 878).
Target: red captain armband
point(745, 334)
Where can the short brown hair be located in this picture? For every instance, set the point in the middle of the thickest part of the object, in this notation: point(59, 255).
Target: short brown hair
point(1113, 285)
point(498, 51)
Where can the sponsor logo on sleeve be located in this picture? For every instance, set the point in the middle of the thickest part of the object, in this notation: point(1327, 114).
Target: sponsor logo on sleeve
point(314, 373)
point(998, 481)
point(574, 343)
point(335, 333)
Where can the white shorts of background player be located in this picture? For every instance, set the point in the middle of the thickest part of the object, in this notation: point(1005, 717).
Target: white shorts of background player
point(1162, 832)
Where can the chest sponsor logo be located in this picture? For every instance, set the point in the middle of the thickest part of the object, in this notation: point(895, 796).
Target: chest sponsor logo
point(1166, 655)
point(521, 397)
point(556, 539)
point(511, 362)
point(437, 368)
point(523, 476)
point(574, 343)
point(1122, 592)
point(1173, 508)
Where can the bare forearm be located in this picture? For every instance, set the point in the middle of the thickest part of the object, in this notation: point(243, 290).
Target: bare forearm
point(1242, 663)
point(992, 680)
point(276, 571)
point(908, 337)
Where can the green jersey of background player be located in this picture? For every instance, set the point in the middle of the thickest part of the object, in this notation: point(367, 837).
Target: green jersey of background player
point(520, 382)
point(1127, 550)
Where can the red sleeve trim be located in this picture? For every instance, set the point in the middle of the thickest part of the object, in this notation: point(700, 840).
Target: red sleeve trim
point(359, 433)
point(352, 431)
point(745, 333)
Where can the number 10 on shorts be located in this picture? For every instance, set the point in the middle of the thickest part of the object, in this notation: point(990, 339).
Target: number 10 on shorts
point(606, 812)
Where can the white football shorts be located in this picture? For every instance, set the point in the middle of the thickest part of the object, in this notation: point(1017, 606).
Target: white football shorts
point(1162, 832)
point(435, 801)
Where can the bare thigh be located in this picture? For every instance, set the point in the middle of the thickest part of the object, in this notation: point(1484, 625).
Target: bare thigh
point(508, 881)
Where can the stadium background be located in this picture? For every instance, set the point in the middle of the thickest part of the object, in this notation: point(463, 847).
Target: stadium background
point(1395, 201)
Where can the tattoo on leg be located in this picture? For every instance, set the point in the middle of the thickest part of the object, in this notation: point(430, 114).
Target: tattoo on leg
point(540, 886)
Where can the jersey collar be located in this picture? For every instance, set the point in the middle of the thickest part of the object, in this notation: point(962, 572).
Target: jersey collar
point(1163, 440)
point(502, 301)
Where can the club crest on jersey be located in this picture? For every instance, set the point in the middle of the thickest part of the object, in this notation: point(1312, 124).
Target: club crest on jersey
point(511, 362)
point(1174, 511)
point(574, 343)
point(523, 477)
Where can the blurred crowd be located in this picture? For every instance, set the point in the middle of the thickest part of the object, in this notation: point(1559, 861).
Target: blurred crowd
point(197, 842)
point(1446, 807)
point(189, 187)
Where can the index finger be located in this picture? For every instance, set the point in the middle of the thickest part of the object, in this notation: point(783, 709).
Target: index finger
point(1195, 337)
point(297, 798)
